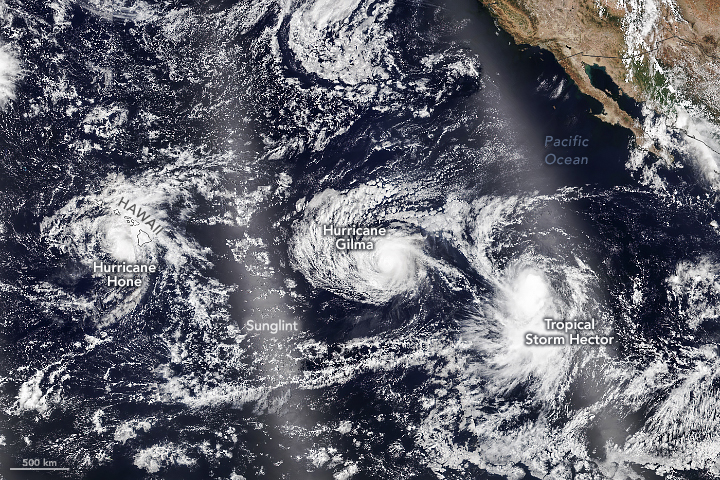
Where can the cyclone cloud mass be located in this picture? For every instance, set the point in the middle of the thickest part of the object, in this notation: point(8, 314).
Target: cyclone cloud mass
point(178, 302)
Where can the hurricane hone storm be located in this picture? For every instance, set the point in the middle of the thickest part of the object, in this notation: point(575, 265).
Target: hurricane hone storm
point(359, 239)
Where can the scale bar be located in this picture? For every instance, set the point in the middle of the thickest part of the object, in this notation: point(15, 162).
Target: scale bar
point(41, 468)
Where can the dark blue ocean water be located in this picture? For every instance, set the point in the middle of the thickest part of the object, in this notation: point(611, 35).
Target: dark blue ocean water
point(622, 232)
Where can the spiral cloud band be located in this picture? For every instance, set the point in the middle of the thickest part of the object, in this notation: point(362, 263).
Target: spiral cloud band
point(395, 266)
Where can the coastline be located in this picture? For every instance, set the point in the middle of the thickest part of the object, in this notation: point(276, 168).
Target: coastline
point(583, 34)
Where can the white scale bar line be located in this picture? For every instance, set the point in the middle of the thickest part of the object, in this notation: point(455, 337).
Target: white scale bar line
point(42, 468)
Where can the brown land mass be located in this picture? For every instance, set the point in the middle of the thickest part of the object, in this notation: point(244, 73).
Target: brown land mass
point(583, 32)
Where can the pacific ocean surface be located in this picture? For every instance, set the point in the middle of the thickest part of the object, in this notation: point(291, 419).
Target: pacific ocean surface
point(244, 127)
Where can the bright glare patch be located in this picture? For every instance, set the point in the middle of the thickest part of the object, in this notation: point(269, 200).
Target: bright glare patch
point(9, 73)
